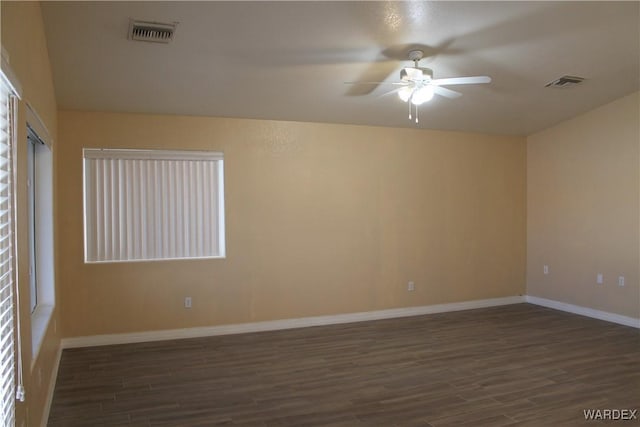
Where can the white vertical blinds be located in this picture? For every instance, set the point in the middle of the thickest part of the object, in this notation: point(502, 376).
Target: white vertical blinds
point(152, 205)
point(7, 346)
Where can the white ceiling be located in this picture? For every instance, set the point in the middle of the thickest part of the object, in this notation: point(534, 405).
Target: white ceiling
point(289, 60)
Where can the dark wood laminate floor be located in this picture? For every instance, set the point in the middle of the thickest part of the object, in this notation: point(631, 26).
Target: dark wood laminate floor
point(512, 365)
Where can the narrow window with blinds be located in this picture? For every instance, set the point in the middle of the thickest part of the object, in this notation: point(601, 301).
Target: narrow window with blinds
point(142, 205)
point(7, 275)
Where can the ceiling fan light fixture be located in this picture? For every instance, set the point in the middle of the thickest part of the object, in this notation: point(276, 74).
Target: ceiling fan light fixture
point(422, 95)
point(405, 93)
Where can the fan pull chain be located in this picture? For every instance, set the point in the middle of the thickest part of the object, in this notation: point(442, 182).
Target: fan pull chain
point(416, 114)
point(409, 110)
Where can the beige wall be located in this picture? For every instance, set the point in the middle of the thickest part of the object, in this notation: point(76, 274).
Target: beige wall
point(23, 39)
point(583, 209)
point(321, 219)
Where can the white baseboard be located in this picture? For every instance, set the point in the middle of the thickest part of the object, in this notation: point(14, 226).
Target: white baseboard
point(272, 325)
point(52, 387)
point(585, 311)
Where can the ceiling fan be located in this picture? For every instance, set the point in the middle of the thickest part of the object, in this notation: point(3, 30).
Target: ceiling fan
point(418, 86)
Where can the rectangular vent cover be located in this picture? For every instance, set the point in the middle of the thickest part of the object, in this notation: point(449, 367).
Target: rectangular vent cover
point(155, 32)
point(565, 81)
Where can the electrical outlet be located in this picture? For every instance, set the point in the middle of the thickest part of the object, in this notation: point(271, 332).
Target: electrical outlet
point(620, 280)
point(187, 302)
point(545, 269)
point(599, 279)
point(411, 286)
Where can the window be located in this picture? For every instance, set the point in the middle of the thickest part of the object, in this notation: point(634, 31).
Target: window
point(153, 205)
point(40, 226)
point(31, 189)
point(7, 274)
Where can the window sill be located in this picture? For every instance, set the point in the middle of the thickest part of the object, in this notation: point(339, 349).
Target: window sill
point(39, 322)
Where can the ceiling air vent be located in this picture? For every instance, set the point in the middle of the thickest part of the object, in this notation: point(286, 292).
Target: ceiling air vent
point(155, 32)
point(565, 81)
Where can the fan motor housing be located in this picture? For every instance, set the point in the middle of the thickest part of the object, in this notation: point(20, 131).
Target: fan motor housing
point(410, 74)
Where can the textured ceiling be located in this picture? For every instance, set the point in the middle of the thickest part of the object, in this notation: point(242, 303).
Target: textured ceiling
point(289, 60)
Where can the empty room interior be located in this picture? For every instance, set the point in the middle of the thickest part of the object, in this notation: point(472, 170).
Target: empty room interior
point(319, 213)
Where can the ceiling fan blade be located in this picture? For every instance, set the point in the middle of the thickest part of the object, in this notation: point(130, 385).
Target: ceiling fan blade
point(375, 83)
point(447, 93)
point(391, 92)
point(461, 80)
point(374, 72)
